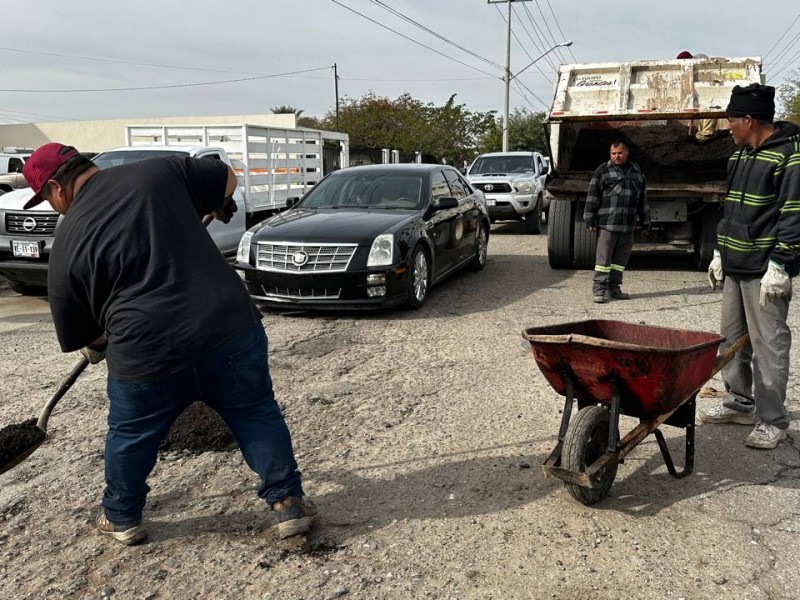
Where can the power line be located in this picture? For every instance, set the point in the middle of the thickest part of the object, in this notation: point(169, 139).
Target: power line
point(541, 51)
point(160, 87)
point(413, 40)
point(563, 37)
point(552, 37)
point(788, 47)
point(782, 36)
point(126, 62)
point(540, 35)
point(39, 116)
point(433, 33)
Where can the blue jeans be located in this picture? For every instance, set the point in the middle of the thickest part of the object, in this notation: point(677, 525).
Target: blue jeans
point(234, 380)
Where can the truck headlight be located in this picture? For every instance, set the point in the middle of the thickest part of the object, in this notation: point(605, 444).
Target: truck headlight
point(523, 186)
point(243, 253)
point(382, 252)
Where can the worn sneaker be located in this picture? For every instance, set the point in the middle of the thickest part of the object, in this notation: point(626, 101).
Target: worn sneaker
point(619, 295)
point(295, 515)
point(600, 299)
point(722, 414)
point(765, 436)
point(128, 536)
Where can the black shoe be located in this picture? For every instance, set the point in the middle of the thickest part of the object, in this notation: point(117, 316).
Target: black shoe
point(295, 515)
point(619, 295)
point(600, 298)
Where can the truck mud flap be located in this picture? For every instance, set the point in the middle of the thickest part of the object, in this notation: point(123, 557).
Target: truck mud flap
point(705, 235)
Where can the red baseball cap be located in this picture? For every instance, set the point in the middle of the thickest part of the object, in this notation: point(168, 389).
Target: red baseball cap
point(42, 165)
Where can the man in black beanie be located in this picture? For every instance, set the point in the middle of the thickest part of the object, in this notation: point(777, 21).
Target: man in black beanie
point(758, 252)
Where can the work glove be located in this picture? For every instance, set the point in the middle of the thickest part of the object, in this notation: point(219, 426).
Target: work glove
point(775, 283)
point(94, 355)
point(715, 274)
point(225, 212)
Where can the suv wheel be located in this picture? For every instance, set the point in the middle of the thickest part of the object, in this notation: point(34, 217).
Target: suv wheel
point(533, 219)
point(27, 290)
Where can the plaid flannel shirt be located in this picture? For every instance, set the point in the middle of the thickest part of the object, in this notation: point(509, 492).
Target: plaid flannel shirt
point(617, 195)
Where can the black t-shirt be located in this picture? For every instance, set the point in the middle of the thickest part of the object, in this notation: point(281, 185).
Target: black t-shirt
point(132, 258)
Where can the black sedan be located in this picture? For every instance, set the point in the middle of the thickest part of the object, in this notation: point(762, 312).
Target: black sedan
point(368, 236)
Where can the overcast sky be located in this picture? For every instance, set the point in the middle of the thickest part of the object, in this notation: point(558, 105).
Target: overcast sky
point(50, 45)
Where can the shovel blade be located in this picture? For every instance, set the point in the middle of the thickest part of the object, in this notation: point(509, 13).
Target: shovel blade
point(18, 442)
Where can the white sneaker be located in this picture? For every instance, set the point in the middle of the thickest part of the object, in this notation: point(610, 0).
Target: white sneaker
point(765, 436)
point(722, 414)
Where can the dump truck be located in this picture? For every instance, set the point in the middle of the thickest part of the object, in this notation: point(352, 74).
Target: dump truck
point(272, 164)
point(656, 107)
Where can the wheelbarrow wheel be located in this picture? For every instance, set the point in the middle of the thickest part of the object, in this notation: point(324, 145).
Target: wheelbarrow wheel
point(586, 440)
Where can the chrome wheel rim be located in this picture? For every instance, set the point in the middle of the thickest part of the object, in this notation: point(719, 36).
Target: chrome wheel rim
point(482, 246)
point(420, 276)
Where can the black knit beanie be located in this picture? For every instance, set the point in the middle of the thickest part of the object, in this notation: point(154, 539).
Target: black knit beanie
point(755, 100)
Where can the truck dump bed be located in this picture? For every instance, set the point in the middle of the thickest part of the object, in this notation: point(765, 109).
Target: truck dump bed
point(652, 106)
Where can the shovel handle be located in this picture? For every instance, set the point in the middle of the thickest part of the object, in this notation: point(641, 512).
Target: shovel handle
point(67, 383)
point(726, 355)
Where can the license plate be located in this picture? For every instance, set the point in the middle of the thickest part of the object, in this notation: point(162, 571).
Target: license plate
point(490, 202)
point(25, 249)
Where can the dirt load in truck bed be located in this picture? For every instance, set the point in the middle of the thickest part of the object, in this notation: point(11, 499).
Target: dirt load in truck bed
point(666, 153)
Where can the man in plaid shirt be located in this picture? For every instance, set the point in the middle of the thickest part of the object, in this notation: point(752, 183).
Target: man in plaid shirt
point(617, 196)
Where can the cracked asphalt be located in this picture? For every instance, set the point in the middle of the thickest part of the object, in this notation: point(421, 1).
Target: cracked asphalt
point(420, 435)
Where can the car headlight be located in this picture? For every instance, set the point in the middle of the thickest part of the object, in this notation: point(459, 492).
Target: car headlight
point(382, 252)
point(243, 253)
point(523, 186)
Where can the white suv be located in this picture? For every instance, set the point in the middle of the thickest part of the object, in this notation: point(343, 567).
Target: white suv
point(513, 183)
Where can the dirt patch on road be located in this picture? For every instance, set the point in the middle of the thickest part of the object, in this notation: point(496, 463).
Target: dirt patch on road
point(199, 429)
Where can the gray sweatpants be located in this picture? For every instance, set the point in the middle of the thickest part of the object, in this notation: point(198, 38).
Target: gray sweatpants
point(760, 371)
point(613, 253)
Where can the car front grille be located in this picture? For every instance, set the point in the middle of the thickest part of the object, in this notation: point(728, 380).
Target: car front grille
point(304, 258)
point(302, 293)
point(494, 188)
point(27, 223)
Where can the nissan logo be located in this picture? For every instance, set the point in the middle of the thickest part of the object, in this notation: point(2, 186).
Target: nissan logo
point(488, 187)
point(29, 224)
point(300, 258)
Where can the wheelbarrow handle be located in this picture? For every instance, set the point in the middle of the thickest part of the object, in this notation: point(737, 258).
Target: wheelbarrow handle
point(727, 355)
point(63, 388)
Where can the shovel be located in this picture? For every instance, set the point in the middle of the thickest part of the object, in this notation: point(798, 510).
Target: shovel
point(18, 441)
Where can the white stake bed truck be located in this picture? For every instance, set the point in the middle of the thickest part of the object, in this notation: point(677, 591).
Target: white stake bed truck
point(655, 106)
point(272, 164)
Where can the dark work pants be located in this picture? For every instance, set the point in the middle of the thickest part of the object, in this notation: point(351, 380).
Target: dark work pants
point(613, 253)
point(234, 380)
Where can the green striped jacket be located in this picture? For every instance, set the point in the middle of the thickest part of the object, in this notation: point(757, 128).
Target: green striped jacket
point(761, 221)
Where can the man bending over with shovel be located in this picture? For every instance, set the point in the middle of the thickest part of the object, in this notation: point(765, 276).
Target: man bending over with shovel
point(135, 277)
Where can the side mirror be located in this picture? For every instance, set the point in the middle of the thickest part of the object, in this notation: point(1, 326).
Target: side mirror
point(290, 202)
point(445, 202)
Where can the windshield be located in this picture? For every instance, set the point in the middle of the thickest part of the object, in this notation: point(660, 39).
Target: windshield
point(126, 157)
point(502, 164)
point(367, 190)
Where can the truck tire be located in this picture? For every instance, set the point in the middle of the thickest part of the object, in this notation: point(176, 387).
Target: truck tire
point(27, 290)
point(584, 243)
point(705, 238)
point(559, 234)
point(533, 219)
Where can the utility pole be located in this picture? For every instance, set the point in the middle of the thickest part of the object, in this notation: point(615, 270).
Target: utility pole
point(507, 73)
point(336, 87)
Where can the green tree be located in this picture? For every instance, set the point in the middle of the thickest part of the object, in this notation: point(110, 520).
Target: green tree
point(409, 125)
point(525, 132)
point(287, 110)
point(789, 95)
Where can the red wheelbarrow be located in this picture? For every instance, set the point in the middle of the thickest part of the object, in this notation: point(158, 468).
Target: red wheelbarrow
point(612, 368)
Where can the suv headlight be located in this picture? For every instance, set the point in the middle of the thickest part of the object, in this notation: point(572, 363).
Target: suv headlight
point(243, 253)
point(382, 252)
point(523, 186)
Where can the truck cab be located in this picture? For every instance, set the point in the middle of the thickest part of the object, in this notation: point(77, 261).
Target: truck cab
point(513, 183)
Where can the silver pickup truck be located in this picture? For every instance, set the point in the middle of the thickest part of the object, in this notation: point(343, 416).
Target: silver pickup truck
point(26, 236)
point(513, 183)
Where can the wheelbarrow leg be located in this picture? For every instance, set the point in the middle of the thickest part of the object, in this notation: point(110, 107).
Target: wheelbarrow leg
point(690, 409)
point(554, 459)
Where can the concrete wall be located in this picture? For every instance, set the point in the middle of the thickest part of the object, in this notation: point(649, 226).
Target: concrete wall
point(96, 136)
